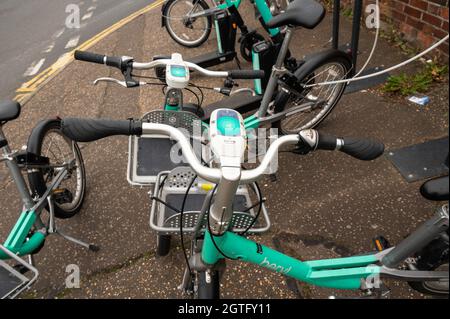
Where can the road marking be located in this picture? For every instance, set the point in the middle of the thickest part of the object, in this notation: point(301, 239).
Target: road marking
point(57, 34)
point(91, 8)
point(34, 68)
point(28, 89)
point(73, 42)
point(87, 16)
point(49, 48)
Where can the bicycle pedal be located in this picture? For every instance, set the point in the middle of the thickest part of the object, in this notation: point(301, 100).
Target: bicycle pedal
point(381, 243)
point(62, 196)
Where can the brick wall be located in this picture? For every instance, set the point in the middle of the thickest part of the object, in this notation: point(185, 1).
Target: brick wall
point(420, 22)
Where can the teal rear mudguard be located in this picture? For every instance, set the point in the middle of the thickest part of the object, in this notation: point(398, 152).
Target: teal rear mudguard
point(339, 273)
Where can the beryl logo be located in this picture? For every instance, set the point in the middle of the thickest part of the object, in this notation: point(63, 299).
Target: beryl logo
point(266, 263)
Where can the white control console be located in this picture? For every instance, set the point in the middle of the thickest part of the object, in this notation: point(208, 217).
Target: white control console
point(228, 137)
point(177, 72)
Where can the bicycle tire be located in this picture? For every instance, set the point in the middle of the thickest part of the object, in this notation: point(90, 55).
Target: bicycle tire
point(177, 38)
point(163, 245)
point(306, 72)
point(208, 290)
point(433, 257)
point(36, 177)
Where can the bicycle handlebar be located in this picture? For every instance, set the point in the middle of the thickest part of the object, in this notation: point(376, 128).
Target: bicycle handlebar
point(362, 149)
point(88, 130)
point(246, 74)
point(124, 61)
point(117, 62)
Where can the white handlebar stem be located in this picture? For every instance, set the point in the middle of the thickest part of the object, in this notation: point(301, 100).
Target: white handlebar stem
point(214, 175)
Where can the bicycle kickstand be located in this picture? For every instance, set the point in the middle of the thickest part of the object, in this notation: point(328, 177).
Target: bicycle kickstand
point(53, 229)
point(382, 292)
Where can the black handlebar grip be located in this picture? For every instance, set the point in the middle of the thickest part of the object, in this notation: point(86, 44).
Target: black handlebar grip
point(90, 57)
point(363, 149)
point(99, 59)
point(89, 130)
point(246, 74)
point(326, 142)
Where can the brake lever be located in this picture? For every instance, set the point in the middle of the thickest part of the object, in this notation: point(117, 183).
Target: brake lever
point(126, 84)
point(106, 79)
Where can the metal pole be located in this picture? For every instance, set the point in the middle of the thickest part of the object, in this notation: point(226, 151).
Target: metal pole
point(336, 23)
point(357, 15)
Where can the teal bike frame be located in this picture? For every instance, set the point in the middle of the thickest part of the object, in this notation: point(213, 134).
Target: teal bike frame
point(16, 243)
point(339, 273)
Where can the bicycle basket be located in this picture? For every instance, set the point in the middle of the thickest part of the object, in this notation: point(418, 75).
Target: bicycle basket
point(170, 191)
point(151, 154)
point(12, 282)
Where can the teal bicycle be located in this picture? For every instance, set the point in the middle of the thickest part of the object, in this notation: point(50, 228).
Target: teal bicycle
point(189, 23)
point(57, 184)
point(214, 238)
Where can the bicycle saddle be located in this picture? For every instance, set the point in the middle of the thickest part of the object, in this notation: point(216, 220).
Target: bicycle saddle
point(436, 189)
point(9, 110)
point(300, 13)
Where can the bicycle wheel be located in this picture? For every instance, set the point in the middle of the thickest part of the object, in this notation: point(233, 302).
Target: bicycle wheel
point(208, 285)
point(189, 32)
point(163, 245)
point(47, 140)
point(332, 68)
point(434, 257)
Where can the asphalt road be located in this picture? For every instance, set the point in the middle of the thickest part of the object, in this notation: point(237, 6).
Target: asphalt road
point(34, 34)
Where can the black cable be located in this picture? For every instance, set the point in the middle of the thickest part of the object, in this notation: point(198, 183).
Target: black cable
point(202, 87)
point(147, 77)
point(196, 96)
point(261, 200)
point(181, 223)
point(199, 88)
point(154, 83)
point(209, 227)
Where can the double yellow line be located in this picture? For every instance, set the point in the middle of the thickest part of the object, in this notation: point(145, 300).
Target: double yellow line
point(28, 89)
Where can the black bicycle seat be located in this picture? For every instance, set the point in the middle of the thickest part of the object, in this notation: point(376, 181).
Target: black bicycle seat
point(300, 13)
point(9, 110)
point(436, 189)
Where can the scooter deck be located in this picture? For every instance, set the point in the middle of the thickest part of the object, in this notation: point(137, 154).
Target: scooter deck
point(213, 58)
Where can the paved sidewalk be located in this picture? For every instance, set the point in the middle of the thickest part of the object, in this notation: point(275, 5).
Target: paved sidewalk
point(324, 205)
